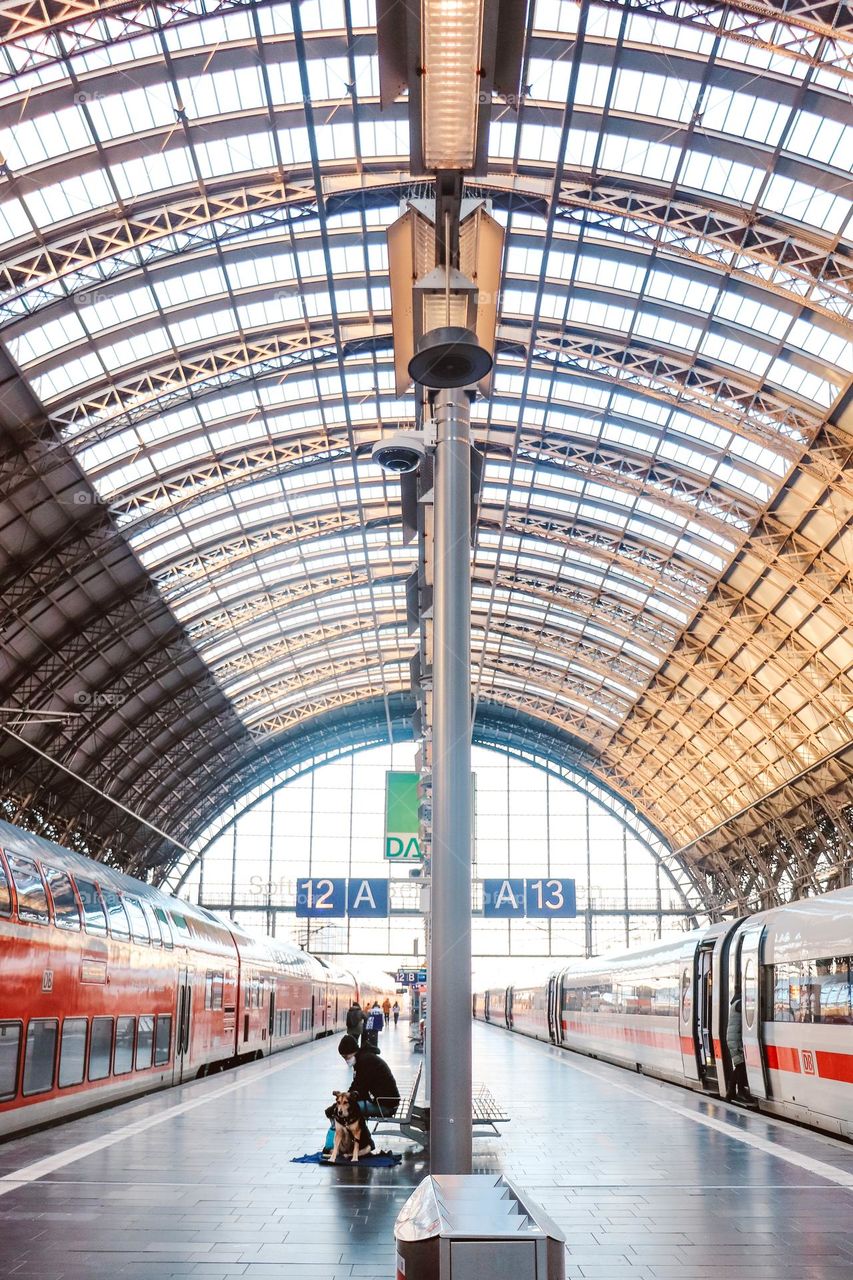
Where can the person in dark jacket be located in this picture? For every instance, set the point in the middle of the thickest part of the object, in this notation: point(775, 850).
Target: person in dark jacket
point(738, 1089)
point(372, 1079)
point(373, 1024)
point(355, 1020)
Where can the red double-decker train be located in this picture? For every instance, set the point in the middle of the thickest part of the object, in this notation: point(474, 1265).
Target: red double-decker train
point(111, 988)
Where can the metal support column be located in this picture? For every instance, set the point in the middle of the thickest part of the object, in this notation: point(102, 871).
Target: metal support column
point(450, 961)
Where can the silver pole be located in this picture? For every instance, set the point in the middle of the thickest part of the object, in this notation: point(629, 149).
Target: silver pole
point(450, 974)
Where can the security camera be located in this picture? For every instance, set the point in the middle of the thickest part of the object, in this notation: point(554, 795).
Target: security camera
point(400, 453)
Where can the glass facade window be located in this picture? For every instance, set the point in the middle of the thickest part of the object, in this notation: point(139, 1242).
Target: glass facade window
point(329, 822)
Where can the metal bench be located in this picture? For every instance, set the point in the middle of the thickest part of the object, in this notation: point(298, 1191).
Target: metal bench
point(403, 1115)
point(487, 1113)
point(412, 1121)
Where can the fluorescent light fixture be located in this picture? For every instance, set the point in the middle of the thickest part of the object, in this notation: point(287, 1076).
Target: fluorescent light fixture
point(451, 96)
point(448, 56)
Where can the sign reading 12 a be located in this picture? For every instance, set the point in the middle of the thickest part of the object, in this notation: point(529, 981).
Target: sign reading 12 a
point(546, 898)
point(336, 896)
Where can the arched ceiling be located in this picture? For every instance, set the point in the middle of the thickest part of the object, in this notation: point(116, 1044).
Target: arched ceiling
point(194, 295)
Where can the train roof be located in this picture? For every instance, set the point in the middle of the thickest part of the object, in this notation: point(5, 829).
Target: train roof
point(810, 928)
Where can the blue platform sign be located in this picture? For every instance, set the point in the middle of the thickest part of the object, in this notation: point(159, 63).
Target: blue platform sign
point(503, 898)
point(550, 899)
point(367, 898)
point(321, 896)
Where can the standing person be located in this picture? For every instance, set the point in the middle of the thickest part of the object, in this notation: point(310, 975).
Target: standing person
point(386, 1009)
point(396, 1012)
point(374, 1024)
point(355, 1020)
point(737, 1088)
point(372, 1079)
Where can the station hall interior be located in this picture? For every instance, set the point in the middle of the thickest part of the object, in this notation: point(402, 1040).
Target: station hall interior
point(426, 659)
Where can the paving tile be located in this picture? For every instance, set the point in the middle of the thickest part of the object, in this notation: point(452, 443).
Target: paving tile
point(641, 1193)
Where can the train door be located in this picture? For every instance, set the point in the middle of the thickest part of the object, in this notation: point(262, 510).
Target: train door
point(272, 1013)
point(181, 1068)
point(508, 1007)
point(313, 1011)
point(719, 1003)
point(704, 1013)
point(687, 1015)
point(751, 945)
point(722, 985)
point(554, 1010)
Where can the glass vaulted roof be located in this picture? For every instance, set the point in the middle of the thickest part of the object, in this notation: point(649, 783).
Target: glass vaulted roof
point(194, 282)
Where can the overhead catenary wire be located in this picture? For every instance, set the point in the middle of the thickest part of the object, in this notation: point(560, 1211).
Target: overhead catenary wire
point(137, 817)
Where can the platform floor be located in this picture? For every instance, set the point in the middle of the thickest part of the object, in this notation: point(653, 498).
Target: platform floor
point(648, 1181)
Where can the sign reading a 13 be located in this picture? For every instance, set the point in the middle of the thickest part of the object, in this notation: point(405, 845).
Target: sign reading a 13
point(549, 898)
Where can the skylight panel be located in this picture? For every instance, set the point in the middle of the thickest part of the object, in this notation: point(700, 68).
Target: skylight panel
point(133, 111)
point(821, 139)
point(803, 383)
point(805, 203)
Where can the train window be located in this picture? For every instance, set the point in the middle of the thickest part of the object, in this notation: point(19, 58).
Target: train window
point(40, 1055)
point(151, 921)
point(213, 989)
point(180, 923)
point(94, 915)
point(66, 913)
point(165, 927)
point(163, 1040)
point(72, 1052)
point(811, 991)
point(144, 1041)
point(749, 1000)
point(119, 923)
point(5, 894)
point(101, 1048)
point(10, 1045)
point(138, 923)
point(123, 1059)
point(29, 886)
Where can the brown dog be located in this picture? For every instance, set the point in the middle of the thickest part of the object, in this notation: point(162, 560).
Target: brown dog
point(352, 1137)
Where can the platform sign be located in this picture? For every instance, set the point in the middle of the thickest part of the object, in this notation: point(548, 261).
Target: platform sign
point(367, 898)
point(336, 897)
point(411, 977)
point(402, 830)
point(542, 898)
point(321, 896)
point(503, 898)
point(550, 898)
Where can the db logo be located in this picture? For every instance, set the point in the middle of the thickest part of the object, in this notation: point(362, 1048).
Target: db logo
point(808, 1062)
point(47, 980)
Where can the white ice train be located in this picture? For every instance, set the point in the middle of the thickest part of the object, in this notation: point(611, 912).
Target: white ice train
point(663, 1010)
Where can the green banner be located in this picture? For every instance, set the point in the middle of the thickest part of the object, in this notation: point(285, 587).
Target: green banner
point(401, 817)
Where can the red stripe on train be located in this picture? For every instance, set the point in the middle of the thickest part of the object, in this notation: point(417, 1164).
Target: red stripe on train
point(661, 1039)
point(782, 1058)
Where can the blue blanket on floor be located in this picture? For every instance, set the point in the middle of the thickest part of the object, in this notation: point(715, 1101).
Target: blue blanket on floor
point(378, 1160)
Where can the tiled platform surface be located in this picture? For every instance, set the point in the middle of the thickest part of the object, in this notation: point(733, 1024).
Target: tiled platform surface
point(648, 1181)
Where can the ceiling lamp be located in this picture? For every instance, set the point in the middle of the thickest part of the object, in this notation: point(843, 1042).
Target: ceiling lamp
point(448, 55)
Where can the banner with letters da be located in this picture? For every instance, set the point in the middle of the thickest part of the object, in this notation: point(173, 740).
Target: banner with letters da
point(402, 842)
